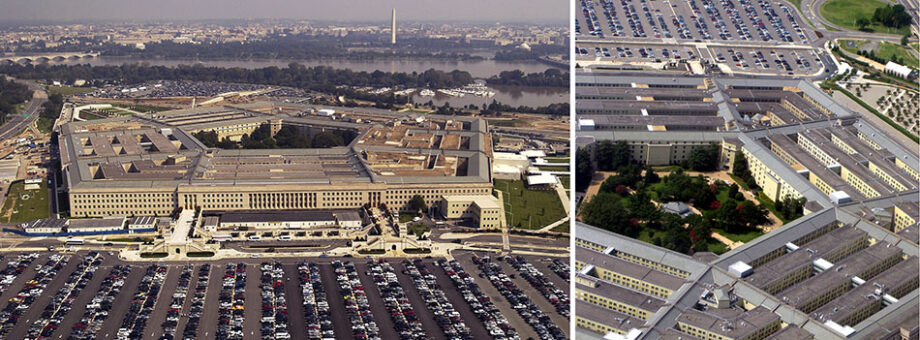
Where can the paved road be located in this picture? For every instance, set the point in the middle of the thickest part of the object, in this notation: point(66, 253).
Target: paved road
point(17, 124)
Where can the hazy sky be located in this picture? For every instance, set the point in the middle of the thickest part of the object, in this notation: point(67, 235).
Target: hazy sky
point(538, 11)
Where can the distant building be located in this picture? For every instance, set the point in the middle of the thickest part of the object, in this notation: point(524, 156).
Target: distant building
point(393, 28)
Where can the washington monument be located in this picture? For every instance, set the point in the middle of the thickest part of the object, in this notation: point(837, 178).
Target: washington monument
point(393, 28)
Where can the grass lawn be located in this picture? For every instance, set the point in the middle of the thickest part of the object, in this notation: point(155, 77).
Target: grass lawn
point(36, 207)
point(92, 115)
point(67, 90)
point(565, 181)
point(741, 183)
point(845, 12)
point(766, 202)
point(532, 209)
point(915, 46)
point(717, 247)
point(503, 122)
point(740, 237)
point(562, 228)
point(557, 159)
point(887, 50)
point(648, 234)
point(406, 216)
point(140, 108)
point(852, 46)
point(553, 168)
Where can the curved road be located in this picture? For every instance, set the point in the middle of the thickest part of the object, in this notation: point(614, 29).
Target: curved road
point(20, 122)
point(812, 10)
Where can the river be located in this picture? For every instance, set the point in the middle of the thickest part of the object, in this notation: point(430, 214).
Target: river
point(509, 95)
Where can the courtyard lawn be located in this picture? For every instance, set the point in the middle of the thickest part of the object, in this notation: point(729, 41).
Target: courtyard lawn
point(529, 209)
point(557, 159)
point(717, 247)
point(405, 217)
point(33, 208)
point(713, 245)
point(743, 237)
point(143, 108)
point(844, 13)
point(766, 202)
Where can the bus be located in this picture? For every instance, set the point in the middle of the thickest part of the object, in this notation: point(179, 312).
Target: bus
point(74, 242)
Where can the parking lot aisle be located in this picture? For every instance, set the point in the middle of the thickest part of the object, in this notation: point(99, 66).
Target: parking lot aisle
point(536, 297)
point(514, 319)
point(378, 307)
point(477, 329)
point(297, 326)
point(21, 329)
point(418, 303)
point(24, 277)
point(183, 317)
point(79, 305)
point(253, 313)
point(154, 327)
point(542, 264)
point(340, 321)
point(208, 324)
point(120, 307)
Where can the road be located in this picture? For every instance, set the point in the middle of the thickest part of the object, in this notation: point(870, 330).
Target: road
point(812, 10)
point(17, 124)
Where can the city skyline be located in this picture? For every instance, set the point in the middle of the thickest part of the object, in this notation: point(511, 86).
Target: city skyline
point(107, 10)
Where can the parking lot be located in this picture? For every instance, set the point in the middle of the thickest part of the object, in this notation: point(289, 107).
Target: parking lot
point(94, 295)
point(695, 20)
point(728, 59)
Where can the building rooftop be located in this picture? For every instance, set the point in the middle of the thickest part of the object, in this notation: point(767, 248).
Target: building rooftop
point(791, 332)
point(842, 272)
point(731, 323)
point(624, 295)
point(803, 256)
point(867, 293)
point(639, 272)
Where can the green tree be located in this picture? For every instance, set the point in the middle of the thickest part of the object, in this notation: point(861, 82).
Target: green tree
point(327, 140)
point(611, 155)
point(417, 204)
point(862, 23)
point(584, 172)
point(704, 159)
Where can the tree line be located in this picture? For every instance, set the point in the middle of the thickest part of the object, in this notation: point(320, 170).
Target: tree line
point(319, 78)
point(550, 78)
point(291, 46)
point(12, 94)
